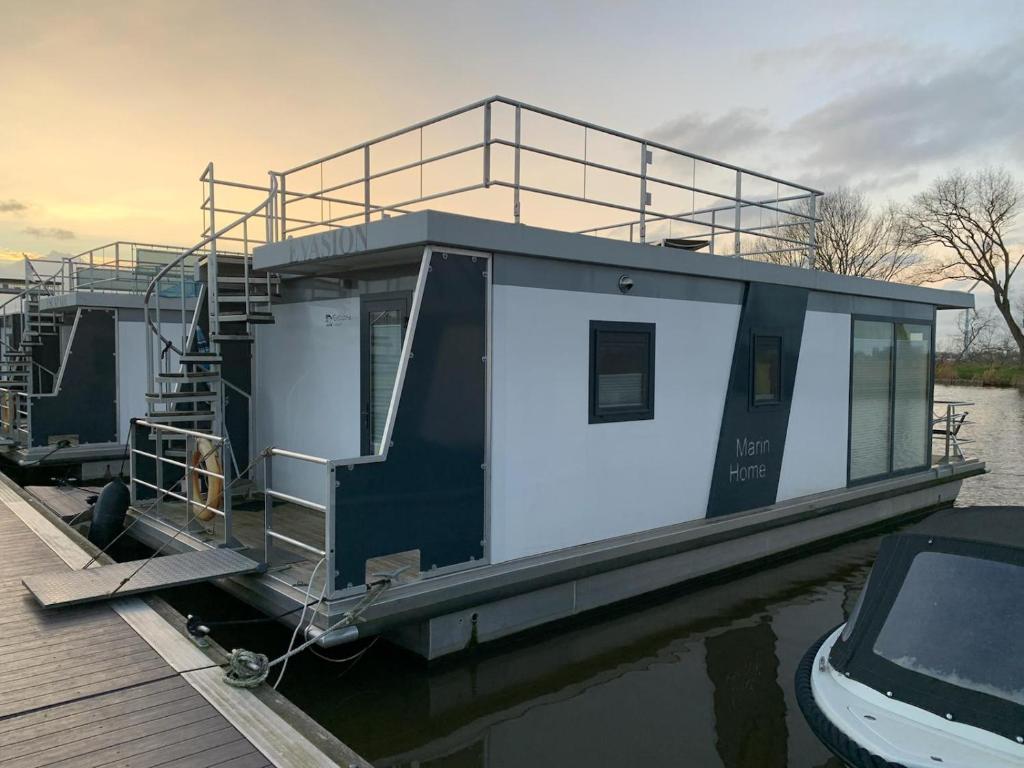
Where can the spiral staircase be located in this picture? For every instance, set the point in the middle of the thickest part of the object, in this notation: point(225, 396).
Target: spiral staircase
point(185, 370)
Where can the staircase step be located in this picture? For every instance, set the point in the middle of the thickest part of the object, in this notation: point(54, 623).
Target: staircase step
point(240, 298)
point(187, 376)
point(181, 397)
point(232, 337)
point(169, 417)
point(252, 279)
point(201, 357)
point(249, 317)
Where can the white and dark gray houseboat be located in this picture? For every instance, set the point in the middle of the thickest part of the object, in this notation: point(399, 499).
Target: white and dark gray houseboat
point(505, 366)
point(72, 338)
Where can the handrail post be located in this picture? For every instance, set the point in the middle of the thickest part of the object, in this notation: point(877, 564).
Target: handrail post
point(643, 191)
point(487, 145)
point(739, 214)
point(711, 241)
point(812, 250)
point(281, 214)
point(268, 506)
point(159, 451)
point(518, 142)
point(329, 532)
point(225, 457)
point(949, 427)
point(366, 184)
point(188, 478)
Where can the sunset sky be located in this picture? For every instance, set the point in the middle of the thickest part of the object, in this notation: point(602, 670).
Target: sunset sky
point(110, 110)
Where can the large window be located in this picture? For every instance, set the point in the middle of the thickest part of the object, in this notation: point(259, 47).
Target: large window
point(766, 370)
point(621, 371)
point(890, 387)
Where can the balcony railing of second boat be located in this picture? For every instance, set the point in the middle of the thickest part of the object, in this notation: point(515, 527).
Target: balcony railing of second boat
point(947, 419)
point(180, 477)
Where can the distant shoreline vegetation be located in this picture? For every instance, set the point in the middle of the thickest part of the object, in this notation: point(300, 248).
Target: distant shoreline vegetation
point(979, 374)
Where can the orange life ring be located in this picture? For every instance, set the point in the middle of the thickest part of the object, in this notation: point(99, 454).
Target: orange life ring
point(204, 453)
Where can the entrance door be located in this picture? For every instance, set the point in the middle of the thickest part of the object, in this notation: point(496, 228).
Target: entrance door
point(383, 321)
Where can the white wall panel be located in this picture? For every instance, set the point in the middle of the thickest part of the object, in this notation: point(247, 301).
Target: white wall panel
point(558, 481)
point(816, 441)
point(307, 389)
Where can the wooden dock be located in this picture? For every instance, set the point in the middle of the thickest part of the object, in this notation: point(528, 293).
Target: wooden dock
point(115, 684)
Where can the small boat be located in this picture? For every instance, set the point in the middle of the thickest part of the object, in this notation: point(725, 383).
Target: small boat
point(929, 669)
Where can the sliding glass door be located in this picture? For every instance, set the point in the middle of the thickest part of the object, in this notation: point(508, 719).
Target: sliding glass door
point(890, 389)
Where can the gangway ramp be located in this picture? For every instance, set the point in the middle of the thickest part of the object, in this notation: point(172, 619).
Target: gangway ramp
point(62, 588)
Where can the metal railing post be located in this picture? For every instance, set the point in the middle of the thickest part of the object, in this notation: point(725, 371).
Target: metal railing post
point(487, 145)
point(711, 241)
point(643, 191)
point(188, 477)
point(159, 453)
point(268, 507)
point(739, 214)
point(280, 214)
point(949, 428)
point(812, 251)
point(225, 456)
point(132, 471)
point(329, 532)
point(366, 184)
point(515, 184)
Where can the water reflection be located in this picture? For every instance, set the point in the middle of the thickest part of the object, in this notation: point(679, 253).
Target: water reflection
point(702, 678)
point(996, 427)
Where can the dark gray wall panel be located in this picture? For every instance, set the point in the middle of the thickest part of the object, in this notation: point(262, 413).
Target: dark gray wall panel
point(752, 438)
point(429, 492)
point(85, 405)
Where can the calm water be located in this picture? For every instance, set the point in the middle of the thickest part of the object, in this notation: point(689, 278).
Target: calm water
point(696, 678)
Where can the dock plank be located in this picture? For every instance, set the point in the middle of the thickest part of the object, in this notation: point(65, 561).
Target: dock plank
point(112, 684)
point(80, 687)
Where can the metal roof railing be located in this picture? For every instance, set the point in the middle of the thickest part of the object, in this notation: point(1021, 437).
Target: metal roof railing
point(504, 159)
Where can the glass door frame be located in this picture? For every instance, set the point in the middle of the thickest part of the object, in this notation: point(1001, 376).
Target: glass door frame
point(894, 321)
point(402, 302)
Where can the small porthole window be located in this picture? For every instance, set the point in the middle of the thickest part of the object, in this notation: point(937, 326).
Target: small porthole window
point(766, 387)
point(621, 371)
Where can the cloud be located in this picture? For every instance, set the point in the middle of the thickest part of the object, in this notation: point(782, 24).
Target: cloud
point(56, 233)
point(714, 136)
point(12, 206)
point(900, 123)
point(879, 132)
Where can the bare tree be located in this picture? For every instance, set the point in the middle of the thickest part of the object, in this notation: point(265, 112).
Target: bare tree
point(851, 238)
point(977, 332)
point(970, 216)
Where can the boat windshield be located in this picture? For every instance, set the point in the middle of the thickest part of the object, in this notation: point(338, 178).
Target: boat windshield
point(959, 620)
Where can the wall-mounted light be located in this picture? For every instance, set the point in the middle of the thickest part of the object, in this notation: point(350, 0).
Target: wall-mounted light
point(625, 283)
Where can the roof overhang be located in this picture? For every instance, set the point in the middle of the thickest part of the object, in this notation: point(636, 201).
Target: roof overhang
point(347, 248)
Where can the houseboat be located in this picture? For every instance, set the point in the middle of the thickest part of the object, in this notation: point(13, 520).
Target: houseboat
point(505, 366)
point(71, 341)
point(927, 669)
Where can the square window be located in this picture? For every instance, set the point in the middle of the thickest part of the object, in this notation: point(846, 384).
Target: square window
point(766, 387)
point(621, 371)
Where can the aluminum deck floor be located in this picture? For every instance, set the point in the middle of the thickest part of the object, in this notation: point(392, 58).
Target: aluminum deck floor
point(85, 687)
point(62, 588)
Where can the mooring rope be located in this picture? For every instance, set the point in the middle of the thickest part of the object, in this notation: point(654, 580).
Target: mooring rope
point(247, 669)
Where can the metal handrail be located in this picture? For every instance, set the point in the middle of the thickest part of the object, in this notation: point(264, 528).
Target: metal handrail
point(735, 202)
point(269, 494)
point(951, 421)
point(167, 490)
point(210, 238)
